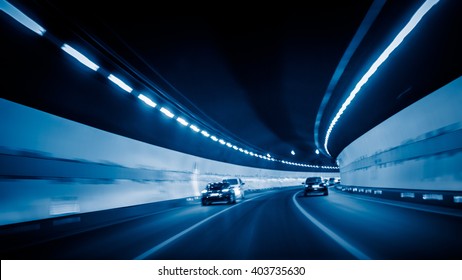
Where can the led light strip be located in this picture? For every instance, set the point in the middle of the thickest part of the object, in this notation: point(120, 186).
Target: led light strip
point(394, 44)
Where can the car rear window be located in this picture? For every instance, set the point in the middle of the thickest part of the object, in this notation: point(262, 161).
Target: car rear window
point(231, 181)
point(313, 180)
point(217, 186)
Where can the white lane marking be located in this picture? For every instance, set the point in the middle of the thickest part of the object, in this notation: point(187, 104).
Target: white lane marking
point(175, 237)
point(347, 246)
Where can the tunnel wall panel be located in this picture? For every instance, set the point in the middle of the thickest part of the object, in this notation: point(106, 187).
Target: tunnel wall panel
point(418, 148)
point(51, 166)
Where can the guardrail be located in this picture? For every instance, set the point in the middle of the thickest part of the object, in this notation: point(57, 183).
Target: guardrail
point(451, 199)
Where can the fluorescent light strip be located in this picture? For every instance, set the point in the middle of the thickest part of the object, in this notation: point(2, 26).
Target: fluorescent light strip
point(372, 13)
point(167, 112)
point(182, 121)
point(214, 138)
point(194, 128)
point(205, 133)
point(119, 82)
point(80, 57)
point(21, 17)
point(147, 100)
point(394, 44)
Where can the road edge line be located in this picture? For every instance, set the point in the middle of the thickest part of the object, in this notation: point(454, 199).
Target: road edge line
point(347, 246)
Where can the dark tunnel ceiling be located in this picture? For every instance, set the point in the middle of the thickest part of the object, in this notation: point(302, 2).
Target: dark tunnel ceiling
point(257, 73)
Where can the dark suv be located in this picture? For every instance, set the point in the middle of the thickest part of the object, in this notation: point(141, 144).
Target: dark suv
point(221, 192)
point(315, 185)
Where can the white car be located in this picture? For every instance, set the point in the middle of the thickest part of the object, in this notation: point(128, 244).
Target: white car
point(229, 191)
point(237, 184)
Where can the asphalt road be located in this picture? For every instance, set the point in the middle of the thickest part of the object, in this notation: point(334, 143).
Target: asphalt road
point(273, 225)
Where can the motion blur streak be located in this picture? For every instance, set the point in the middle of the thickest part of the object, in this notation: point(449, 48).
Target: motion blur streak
point(355, 252)
point(153, 250)
point(262, 227)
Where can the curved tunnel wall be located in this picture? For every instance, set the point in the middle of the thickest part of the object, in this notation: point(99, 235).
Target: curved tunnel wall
point(51, 166)
point(419, 148)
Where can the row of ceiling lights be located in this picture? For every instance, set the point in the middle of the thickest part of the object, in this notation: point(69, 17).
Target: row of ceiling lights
point(415, 19)
point(35, 27)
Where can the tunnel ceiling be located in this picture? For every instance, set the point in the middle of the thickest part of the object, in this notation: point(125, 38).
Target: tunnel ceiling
point(267, 77)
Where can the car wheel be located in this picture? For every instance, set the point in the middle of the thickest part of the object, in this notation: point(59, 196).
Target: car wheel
point(232, 199)
point(326, 193)
point(204, 202)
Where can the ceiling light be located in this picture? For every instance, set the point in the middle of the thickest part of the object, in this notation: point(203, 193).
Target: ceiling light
point(80, 57)
point(147, 100)
point(167, 112)
point(182, 121)
point(194, 128)
point(120, 83)
point(21, 18)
